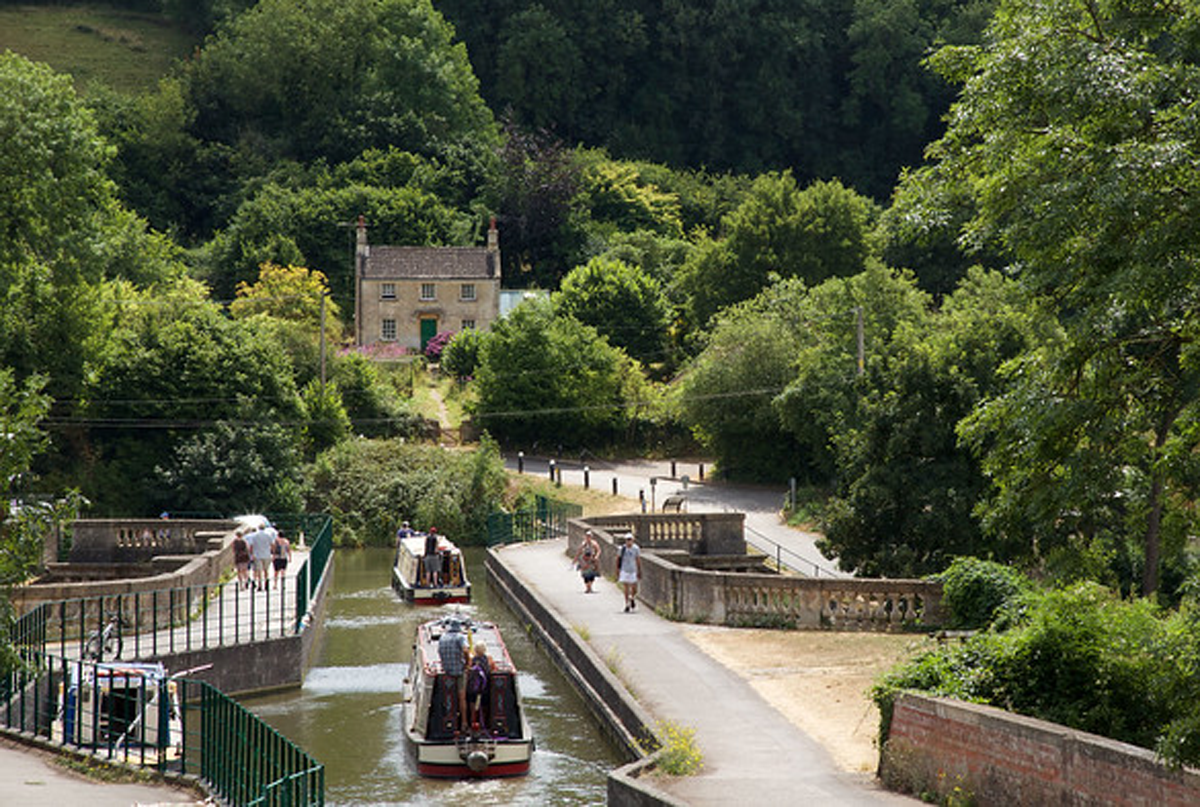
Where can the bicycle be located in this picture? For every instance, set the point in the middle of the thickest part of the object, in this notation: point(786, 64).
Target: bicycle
point(106, 640)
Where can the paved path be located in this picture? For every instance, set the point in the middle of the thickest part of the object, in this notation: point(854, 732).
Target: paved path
point(752, 754)
point(795, 548)
point(237, 616)
point(32, 778)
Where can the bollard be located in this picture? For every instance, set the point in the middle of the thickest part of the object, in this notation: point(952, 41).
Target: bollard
point(520, 462)
point(672, 469)
point(551, 470)
point(586, 475)
point(558, 478)
point(702, 472)
point(614, 486)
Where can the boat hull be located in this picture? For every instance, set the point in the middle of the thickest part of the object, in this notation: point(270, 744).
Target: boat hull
point(447, 760)
point(417, 595)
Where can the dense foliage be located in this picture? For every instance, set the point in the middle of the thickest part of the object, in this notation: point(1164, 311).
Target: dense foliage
point(1080, 656)
point(549, 378)
point(830, 89)
point(371, 486)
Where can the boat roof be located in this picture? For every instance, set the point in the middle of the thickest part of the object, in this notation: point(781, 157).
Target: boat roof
point(415, 544)
point(115, 671)
point(428, 634)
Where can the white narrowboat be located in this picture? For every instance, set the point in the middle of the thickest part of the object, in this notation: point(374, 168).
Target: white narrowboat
point(415, 582)
point(497, 741)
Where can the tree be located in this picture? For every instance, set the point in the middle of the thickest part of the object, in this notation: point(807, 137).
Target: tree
point(228, 468)
point(549, 379)
point(22, 408)
point(781, 231)
point(623, 304)
point(291, 293)
point(907, 490)
point(62, 232)
point(822, 396)
point(1075, 136)
point(281, 81)
point(726, 393)
point(170, 373)
point(535, 191)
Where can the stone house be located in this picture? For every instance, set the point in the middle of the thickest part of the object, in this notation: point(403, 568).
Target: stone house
point(407, 295)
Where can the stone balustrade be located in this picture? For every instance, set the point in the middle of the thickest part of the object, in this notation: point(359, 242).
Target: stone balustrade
point(98, 540)
point(691, 592)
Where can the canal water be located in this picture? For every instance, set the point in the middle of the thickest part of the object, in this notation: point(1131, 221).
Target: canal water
point(347, 714)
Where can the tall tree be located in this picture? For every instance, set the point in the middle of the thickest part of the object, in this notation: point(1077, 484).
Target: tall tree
point(1076, 135)
point(552, 379)
point(623, 303)
point(330, 78)
point(781, 230)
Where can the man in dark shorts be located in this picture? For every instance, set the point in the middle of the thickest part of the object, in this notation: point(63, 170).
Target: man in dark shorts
point(431, 560)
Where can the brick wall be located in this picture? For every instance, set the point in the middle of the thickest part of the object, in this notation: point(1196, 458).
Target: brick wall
point(993, 757)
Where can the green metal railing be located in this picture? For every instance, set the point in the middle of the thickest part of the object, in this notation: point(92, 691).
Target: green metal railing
point(119, 714)
point(174, 620)
point(318, 531)
point(547, 519)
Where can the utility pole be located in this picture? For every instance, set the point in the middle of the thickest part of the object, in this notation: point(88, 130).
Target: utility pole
point(858, 318)
point(324, 294)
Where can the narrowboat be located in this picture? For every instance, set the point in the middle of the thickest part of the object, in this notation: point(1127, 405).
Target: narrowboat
point(119, 705)
point(412, 580)
point(497, 741)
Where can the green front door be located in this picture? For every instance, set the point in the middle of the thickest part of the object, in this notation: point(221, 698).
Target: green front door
point(428, 331)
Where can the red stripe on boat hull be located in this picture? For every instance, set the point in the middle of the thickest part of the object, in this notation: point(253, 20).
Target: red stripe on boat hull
point(461, 771)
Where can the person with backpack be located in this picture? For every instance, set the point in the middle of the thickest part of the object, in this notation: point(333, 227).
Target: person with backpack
point(478, 676)
point(629, 571)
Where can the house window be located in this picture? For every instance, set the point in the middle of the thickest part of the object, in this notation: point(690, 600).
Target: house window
point(387, 291)
point(388, 332)
point(467, 292)
point(428, 291)
point(468, 324)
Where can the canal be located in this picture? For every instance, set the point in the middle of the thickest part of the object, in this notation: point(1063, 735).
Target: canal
point(347, 714)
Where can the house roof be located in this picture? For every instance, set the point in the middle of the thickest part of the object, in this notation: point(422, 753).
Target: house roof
point(438, 263)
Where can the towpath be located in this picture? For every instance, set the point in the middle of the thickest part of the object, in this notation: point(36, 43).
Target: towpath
point(752, 754)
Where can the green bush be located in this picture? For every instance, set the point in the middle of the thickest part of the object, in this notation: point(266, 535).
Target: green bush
point(460, 358)
point(974, 590)
point(1082, 657)
point(371, 486)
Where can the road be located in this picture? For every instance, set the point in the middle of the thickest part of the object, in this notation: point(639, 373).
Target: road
point(652, 481)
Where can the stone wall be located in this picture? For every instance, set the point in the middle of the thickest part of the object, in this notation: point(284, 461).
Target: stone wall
point(985, 756)
point(694, 594)
point(193, 571)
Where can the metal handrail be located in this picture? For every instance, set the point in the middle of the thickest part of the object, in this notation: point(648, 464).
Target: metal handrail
point(174, 725)
point(780, 550)
point(185, 618)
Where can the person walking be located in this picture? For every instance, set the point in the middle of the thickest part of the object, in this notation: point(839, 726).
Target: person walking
point(629, 571)
point(241, 558)
point(587, 560)
point(260, 548)
point(281, 553)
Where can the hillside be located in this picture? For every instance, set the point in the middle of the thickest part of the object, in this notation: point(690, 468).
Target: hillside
point(126, 50)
